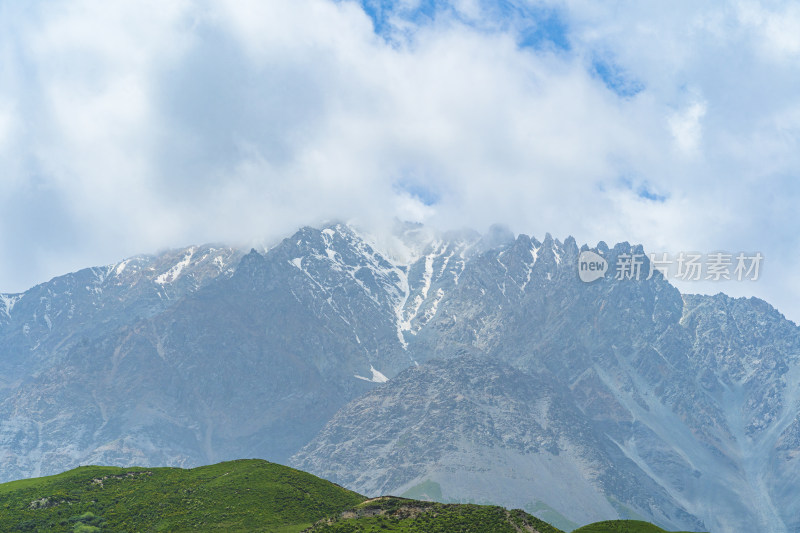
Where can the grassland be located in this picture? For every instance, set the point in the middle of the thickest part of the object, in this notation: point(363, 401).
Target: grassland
point(621, 526)
point(413, 516)
point(246, 495)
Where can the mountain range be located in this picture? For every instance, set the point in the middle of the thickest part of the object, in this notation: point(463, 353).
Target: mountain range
point(458, 367)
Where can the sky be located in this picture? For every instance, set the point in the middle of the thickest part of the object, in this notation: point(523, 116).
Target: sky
point(130, 127)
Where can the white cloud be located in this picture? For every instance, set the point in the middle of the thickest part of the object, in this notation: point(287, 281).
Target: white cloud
point(7, 118)
point(126, 128)
point(686, 127)
point(777, 30)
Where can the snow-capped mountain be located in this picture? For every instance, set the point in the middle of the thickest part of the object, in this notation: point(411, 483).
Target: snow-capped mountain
point(43, 322)
point(458, 365)
point(695, 394)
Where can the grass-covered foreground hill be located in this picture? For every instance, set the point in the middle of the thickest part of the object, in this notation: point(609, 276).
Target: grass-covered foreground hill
point(413, 516)
point(621, 526)
point(246, 495)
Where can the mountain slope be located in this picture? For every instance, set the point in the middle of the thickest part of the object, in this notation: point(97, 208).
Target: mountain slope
point(43, 323)
point(172, 365)
point(700, 393)
point(209, 353)
point(699, 408)
point(481, 430)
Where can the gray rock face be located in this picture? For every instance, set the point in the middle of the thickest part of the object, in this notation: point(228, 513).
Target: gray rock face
point(56, 389)
point(481, 430)
point(697, 394)
point(577, 401)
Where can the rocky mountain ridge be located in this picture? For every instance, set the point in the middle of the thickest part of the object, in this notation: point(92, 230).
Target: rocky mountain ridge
point(679, 408)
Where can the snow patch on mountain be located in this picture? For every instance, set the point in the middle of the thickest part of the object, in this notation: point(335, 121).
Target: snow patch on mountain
point(8, 302)
point(175, 271)
point(534, 256)
point(376, 377)
point(121, 267)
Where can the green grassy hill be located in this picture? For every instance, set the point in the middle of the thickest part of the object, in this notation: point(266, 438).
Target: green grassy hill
point(247, 495)
point(621, 526)
point(413, 516)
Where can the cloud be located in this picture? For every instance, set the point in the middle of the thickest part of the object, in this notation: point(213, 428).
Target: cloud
point(125, 128)
point(686, 127)
point(776, 31)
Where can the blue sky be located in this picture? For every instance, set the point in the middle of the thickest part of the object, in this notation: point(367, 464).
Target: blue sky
point(129, 127)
